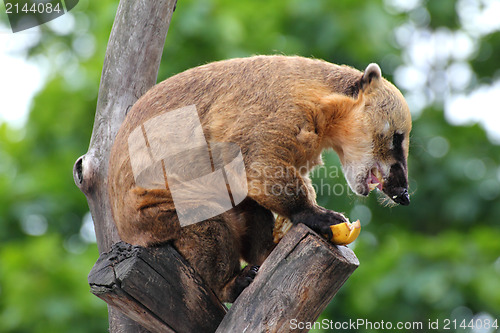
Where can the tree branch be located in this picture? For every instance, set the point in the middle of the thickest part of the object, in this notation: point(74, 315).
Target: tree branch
point(130, 68)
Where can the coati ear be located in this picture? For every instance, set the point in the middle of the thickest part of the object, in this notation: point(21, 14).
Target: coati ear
point(371, 76)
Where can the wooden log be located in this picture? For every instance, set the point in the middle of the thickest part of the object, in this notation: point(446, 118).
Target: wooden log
point(130, 68)
point(156, 288)
point(297, 281)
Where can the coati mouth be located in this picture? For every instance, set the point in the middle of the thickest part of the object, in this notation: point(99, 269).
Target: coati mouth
point(375, 179)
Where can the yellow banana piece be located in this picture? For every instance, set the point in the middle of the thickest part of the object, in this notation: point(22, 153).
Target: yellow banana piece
point(345, 233)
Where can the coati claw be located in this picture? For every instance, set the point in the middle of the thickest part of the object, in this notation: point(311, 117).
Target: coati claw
point(246, 276)
point(235, 287)
point(254, 270)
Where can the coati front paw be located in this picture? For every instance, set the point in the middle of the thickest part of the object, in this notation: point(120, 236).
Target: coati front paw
point(239, 283)
point(246, 277)
point(319, 219)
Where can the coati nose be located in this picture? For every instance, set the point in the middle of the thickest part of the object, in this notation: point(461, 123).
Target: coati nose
point(403, 198)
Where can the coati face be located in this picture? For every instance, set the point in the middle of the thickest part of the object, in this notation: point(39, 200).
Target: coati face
point(386, 126)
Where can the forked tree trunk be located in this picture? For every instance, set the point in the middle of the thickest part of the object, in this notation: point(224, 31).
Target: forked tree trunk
point(130, 68)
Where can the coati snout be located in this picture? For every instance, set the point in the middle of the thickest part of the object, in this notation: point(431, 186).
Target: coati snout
point(281, 112)
point(396, 185)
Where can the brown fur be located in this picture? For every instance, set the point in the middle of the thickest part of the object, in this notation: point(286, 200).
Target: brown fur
point(282, 112)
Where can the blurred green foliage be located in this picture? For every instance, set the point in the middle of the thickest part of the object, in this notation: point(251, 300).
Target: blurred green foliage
point(438, 258)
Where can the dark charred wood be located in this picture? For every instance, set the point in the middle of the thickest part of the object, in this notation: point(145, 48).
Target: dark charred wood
point(159, 290)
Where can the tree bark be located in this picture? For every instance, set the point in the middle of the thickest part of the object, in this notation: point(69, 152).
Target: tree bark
point(130, 68)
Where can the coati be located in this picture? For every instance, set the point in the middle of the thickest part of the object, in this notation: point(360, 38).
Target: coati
point(282, 112)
